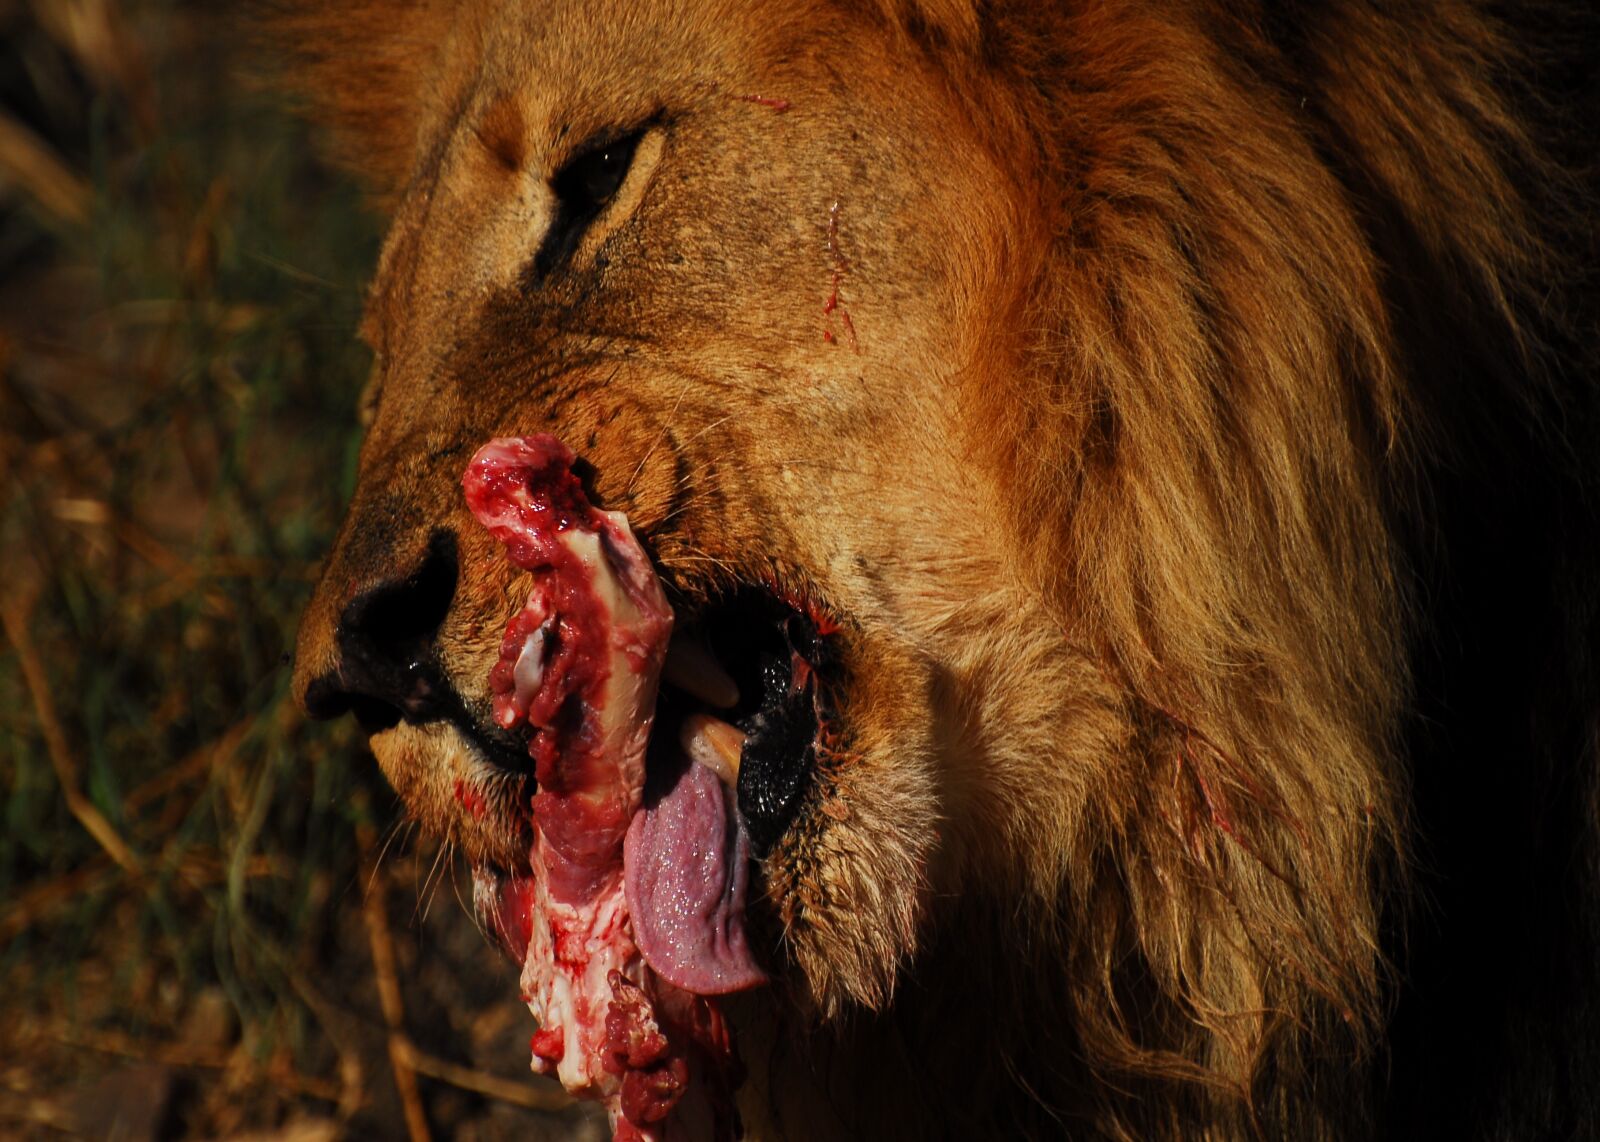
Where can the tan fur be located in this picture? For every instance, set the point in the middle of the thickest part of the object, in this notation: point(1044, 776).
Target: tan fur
point(1101, 472)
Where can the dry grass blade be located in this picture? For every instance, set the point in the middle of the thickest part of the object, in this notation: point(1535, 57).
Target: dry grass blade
point(178, 384)
point(29, 164)
point(546, 1096)
point(14, 616)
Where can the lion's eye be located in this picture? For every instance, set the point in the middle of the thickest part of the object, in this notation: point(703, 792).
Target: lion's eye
point(589, 180)
point(583, 187)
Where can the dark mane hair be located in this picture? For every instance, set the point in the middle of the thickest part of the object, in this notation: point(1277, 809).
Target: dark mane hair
point(1314, 358)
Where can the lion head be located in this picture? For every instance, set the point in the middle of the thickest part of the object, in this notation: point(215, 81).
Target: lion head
point(1039, 364)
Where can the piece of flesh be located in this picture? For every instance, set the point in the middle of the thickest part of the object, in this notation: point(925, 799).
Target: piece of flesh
point(631, 914)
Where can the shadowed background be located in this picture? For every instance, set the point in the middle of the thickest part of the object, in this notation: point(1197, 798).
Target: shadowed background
point(213, 922)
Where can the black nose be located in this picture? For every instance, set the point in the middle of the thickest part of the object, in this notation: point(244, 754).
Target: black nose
point(387, 666)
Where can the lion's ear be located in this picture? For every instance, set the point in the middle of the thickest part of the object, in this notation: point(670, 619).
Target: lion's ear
point(363, 70)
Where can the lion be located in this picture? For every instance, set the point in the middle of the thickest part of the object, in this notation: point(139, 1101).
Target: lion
point(1160, 437)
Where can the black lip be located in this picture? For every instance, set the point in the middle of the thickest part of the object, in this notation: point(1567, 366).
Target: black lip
point(787, 667)
point(500, 748)
point(778, 761)
point(428, 698)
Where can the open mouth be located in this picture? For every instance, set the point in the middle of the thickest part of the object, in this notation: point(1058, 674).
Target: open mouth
point(650, 801)
point(750, 683)
point(747, 689)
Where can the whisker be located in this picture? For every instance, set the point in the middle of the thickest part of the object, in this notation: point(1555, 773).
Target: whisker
point(440, 860)
point(696, 556)
point(455, 887)
point(393, 832)
point(718, 423)
point(692, 502)
point(654, 444)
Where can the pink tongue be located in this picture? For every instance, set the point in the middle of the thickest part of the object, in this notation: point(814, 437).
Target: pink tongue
point(684, 864)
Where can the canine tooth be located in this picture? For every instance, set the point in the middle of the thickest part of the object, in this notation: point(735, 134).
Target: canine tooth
point(690, 666)
point(714, 744)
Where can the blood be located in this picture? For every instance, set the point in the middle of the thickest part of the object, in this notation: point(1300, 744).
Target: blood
point(656, 1045)
point(850, 328)
point(803, 600)
point(841, 267)
point(548, 1044)
point(653, 1064)
point(511, 916)
point(594, 631)
point(778, 105)
point(625, 1131)
point(1215, 801)
point(471, 799)
point(633, 1040)
point(535, 498)
point(649, 1095)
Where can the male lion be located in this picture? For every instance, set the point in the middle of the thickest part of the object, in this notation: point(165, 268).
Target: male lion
point(1125, 471)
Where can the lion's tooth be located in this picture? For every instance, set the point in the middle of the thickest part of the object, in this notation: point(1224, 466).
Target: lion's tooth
point(714, 744)
point(691, 667)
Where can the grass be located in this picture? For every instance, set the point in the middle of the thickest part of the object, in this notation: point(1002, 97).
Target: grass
point(185, 862)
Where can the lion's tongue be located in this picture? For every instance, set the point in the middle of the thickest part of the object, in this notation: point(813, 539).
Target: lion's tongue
point(685, 861)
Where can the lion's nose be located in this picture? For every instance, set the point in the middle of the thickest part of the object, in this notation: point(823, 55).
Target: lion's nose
point(387, 668)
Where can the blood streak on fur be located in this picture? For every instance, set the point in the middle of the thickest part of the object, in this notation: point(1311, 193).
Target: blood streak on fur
point(778, 105)
point(471, 799)
point(834, 304)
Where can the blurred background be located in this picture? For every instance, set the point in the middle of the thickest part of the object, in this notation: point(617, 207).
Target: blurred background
point(213, 921)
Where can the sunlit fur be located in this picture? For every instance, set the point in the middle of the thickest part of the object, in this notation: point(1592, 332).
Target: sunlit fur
point(1117, 479)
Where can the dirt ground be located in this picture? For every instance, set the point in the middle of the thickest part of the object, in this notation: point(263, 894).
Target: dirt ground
point(213, 922)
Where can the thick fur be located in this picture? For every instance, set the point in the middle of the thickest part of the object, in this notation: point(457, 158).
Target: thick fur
point(1187, 409)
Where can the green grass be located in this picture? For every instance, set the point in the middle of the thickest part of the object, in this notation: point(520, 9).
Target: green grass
point(178, 439)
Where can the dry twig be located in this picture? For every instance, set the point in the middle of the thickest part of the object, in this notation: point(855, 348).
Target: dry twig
point(382, 944)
